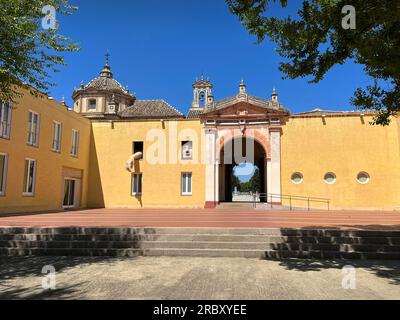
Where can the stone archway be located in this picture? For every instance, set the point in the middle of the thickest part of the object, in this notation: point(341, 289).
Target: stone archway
point(269, 137)
point(239, 150)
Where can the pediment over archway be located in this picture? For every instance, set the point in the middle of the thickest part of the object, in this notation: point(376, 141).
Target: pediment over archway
point(244, 107)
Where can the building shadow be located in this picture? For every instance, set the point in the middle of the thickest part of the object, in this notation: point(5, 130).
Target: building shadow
point(31, 266)
point(95, 189)
point(343, 239)
point(22, 293)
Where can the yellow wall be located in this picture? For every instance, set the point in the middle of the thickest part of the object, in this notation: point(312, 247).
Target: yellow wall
point(344, 146)
point(49, 179)
point(110, 182)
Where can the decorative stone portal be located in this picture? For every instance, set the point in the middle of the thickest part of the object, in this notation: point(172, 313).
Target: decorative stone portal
point(237, 151)
point(241, 129)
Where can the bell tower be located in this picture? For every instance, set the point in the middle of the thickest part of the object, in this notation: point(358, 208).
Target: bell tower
point(202, 91)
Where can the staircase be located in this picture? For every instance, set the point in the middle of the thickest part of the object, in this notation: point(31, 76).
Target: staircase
point(207, 242)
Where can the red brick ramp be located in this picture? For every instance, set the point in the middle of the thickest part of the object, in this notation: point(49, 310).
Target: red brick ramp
point(248, 218)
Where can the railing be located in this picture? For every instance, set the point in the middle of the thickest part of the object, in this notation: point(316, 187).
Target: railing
point(274, 198)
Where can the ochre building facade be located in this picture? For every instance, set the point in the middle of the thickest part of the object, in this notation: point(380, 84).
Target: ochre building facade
point(115, 151)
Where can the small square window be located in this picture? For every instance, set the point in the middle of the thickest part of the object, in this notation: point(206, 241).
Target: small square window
point(92, 104)
point(187, 150)
point(138, 147)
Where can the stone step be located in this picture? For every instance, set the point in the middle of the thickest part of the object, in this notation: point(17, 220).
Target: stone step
point(267, 246)
point(240, 242)
point(264, 254)
point(198, 245)
point(198, 231)
point(270, 254)
point(5, 238)
point(71, 252)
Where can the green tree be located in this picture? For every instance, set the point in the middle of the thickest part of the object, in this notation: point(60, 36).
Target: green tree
point(235, 182)
point(255, 181)
point(315, 41)
point(30, 43)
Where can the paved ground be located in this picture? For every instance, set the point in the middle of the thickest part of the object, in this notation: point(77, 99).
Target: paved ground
point(195, 278)
point(208, 218)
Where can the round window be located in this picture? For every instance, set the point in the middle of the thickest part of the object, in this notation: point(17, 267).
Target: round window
point(363, 177)
point(297, 178)
point(330, 178)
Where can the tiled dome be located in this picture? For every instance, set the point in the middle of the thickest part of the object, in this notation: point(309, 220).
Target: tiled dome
point(105, 81)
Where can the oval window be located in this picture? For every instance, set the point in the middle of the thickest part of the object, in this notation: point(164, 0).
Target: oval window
point(297, 178)
point(363, 177)
point(330, 178)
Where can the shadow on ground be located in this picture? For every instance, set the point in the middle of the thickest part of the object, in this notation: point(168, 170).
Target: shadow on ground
point(31, 266)
point(388, 269)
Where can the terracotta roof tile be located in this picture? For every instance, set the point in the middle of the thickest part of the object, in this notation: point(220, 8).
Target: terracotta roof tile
point(151, 109)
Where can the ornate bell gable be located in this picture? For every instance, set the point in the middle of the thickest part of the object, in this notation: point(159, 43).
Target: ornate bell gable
point(244, 106)
point(244, 110)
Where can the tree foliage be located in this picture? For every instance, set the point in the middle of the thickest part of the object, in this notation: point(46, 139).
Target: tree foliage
point(29, 52)
point(315, 40)
point(253, 185)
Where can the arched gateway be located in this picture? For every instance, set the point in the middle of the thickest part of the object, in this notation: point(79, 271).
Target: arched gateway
point(242, 149)
point(242, 128)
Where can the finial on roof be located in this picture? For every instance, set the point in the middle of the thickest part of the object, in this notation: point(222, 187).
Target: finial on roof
point(274, 95)
point(106, 72)
point(82, 85)
point(107, 58)
point(242, 87)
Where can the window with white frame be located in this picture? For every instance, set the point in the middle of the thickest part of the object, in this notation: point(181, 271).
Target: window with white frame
point(75, 143)
point(5, 120)
point(33, 128)
point(186, 187)
point(56, 143)
point(137, 184)
point(29, 177)
point(3, 173)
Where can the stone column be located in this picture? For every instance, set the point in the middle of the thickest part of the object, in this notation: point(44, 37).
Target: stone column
point(275, 164)
point(269, 176)
point(211, 169)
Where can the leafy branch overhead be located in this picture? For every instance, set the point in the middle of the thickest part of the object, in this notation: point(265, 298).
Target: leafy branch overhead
point(315, 40)
point(28, 51)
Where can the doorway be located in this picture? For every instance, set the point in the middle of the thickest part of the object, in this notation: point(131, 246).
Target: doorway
point(71, 187)
point(242, 170)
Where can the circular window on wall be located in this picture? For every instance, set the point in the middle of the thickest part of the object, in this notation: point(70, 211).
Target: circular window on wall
point(363, 177)
point(297, 178)
point(330, 178)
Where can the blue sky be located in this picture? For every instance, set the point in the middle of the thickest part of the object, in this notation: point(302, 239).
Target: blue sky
point(159, 47)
